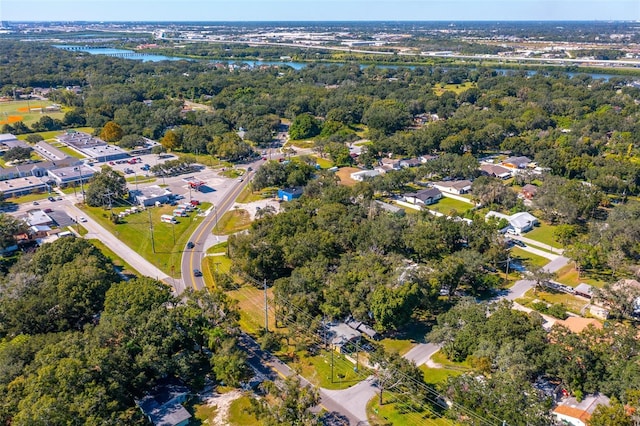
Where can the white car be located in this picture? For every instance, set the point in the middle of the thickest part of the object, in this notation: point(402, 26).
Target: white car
point(82, 219)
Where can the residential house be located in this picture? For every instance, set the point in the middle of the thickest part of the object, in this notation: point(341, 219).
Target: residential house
point(362, 328)
point(575, 413)
point(389, 207)
point(516, 162)
point(410, 162)
point(341, 336)
point(495, 170)
point(519, 223)
point(423, 197)
point(584, 290)
point(163, 407)
point(529, 191)
point(290, 194)
point(364, 174)
point(454, 186)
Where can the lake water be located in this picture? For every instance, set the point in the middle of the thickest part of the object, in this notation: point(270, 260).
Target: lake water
point(144, 57)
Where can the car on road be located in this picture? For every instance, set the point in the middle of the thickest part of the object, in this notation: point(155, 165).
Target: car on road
point(190, 245)
point(111, 163)
point(197, 273)
point(264, 158)
point(82, 219)
point(51, 199)
point(35, 203)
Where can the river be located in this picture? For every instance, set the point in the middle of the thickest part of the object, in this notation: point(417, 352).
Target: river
point(146, 57)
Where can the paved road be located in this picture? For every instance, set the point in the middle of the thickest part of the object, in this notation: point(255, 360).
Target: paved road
point(192, 259)
point(136, 261)
point(422, 353)
point(338, 404)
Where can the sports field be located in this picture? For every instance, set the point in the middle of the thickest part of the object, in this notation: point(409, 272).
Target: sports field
point(26, 111)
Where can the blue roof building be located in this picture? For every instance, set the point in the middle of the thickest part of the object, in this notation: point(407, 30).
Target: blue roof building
point(288, 194)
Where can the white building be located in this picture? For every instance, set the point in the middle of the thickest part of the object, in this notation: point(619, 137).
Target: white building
point(362, 175)
point(519, 223)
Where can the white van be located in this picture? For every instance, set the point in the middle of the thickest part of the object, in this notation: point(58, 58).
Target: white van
point(167, 218)
point(180, 212)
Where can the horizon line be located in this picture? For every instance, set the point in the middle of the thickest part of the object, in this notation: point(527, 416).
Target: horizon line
point(328, 20)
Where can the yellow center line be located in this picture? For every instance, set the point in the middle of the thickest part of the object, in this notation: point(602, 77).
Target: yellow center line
point(228, 200)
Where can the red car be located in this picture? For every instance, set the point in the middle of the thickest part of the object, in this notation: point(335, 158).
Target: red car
point(195, 202)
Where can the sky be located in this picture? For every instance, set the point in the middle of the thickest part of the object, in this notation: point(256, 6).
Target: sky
point(317, 10)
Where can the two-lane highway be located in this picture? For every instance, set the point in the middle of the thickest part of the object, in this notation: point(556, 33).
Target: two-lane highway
point(192, 258)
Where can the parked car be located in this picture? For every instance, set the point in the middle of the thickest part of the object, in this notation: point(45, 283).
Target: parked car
point(51, 199)
point(519, 243)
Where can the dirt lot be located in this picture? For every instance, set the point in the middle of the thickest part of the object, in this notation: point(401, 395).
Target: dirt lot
point(345, 175)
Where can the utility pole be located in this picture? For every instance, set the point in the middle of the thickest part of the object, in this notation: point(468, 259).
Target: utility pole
point(153, 247)
point(332, 350)
point(266, 308)
point(506, 274)
point(357, 357)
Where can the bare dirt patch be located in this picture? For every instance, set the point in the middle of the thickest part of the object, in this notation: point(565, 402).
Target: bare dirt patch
point(345, 175)
point(222, 402)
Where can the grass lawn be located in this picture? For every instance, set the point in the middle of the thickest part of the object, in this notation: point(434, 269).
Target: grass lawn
point(251, 306)
point(438, 376)
point(143, 179)
point(441, 359)
point(81, 230)
point(544, 234)
point(239, 414)
point(218, 248)
point(569, 301)
point(249, 196)
point(136, 234)
point(29, 198)
point(528, 258)
point(568, 275)
point(13, 111)
point(233, 221)
point(302, 144)
point(210, 264)
point(439, 89)
point(317, 369)
point(70, 152)
point(232, 173)
point(117, 260)
point(393, 413)
point(447, 205)
point(404, 340)
point(324, 163)
point(204, 413)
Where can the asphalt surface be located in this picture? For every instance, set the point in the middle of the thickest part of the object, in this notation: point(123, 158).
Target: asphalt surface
point(192, 258)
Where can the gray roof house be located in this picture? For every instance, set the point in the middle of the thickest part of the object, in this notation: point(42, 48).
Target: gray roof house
point(424, 196)
point(163, 407)
point(454, 186)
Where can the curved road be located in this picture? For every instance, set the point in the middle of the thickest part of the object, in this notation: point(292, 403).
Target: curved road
point(192, 258)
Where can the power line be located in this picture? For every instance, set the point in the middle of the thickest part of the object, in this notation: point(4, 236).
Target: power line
point(467, 411)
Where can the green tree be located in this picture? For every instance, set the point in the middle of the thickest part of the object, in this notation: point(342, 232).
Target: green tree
point(387, 116)
point(304, 126)
point(17, 153)
point(105, 187)
point(614, 414)
point(291, 404)
point(9, 228)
